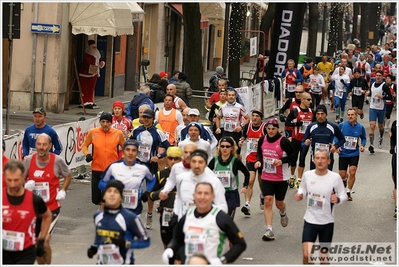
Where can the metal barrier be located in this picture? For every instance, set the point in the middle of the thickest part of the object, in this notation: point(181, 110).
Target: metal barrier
point(198, 101)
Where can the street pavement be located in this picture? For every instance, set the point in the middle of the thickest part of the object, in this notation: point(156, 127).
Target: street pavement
point(368, 218)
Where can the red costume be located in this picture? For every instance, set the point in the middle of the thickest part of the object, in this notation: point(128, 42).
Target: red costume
point(88, 81)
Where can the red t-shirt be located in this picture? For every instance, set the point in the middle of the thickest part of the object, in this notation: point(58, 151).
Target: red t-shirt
point(215, 97)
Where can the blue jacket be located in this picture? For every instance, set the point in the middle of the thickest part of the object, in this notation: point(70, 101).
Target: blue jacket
point(29, 141)
point(147, 100)
point(120, 223)
point(348, 131)
point(323, 133)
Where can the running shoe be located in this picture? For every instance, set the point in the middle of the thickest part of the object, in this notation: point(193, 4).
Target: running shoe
point(371, 149)
point(262, 201)
point(298, 183)
point(148, 222)
point(95, 106)
point(380, 139)
point(336, 118)
point(246, 209)
point(284, 220)
point(349, 196)
point(292, 181)
point(268, 236)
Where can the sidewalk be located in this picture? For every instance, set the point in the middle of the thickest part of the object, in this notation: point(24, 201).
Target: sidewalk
point(20, 119)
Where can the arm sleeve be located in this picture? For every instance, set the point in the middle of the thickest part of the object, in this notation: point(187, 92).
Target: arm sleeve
point(291, 116)
point(142, 239)
point(171, 181)
point(105, 177)
point(363, 137)
point(220, 199)
point(25, 143)
point(242, 168)
point(128, 112)
point(179, 117)
point(299, 77)
point(227, 225)
point(321, 82)
point(211, 164)
point(259, 149)
point(387, 91)
point(212, 112)
point(56, 143)
point(287, 147)
point(178, 236)
point(86, 144)
point(286, 106)
point(39, 205)
point(340, 136)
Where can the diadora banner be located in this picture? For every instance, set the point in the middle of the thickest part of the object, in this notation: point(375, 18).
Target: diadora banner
point(72, 136)
point(286, 37)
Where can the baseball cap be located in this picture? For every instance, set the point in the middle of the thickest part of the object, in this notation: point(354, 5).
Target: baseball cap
point(39, 110)
point(272, 122)
point(149, 113)
point(194, 111)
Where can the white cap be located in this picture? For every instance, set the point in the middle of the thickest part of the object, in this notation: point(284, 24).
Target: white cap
point(194, 111)
point(394, 50)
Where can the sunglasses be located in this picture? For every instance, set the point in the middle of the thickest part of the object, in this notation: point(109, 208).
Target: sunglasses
point(308, 99)
point(225, 146)
point(174, 158)
point(299, 92)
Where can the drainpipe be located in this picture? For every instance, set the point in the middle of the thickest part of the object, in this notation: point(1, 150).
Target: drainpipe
point(33, 71)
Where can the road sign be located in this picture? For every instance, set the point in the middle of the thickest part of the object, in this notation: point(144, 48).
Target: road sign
point(45, 28)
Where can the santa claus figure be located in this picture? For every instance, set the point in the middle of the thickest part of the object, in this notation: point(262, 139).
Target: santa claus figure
point(89, 72)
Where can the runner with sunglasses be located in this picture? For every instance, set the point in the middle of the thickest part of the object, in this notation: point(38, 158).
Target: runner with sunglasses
point(226, 166)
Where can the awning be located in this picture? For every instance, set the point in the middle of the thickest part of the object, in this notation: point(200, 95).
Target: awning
point(214, 12)
point(104, 18)
point(203, 22)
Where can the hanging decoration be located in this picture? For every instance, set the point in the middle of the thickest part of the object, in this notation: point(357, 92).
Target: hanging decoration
point(234, 32)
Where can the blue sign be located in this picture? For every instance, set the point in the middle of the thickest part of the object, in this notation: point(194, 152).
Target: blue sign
point(45, 28)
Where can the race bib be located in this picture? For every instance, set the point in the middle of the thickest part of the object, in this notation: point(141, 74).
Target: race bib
point(42, 189)
point(315, 89)
point(252, 145)
point(166, 215)
point(302, 128)
point(350, 142)
point(291, 88)
point(357, 91)
point(143, 153)
point(316, 201)
point(322, 147)
point(109, 254)
point(376, 100)
point(230, 126)
point(339, 93)
point(224, 177)
point(195, 243)
point(130, 198)
point(268, 165)
point(13, 241)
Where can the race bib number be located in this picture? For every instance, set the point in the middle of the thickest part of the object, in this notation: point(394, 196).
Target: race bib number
point(130, 198)
point(350, 142)
point(339, 93)
point(166, 215)
point(13, 241)
point(316, 201)
point(268, 165)
point(315, 89)
point(322, 147)
point(42, 189)
point(357, 91)
point(323, 74)
point(291, 88)
point(302, 128)
point(109, 254)
point(230, 126)
point(195, 243)
point(224, 177)
point(376, 100)
point(144, 153)
point(252, 145)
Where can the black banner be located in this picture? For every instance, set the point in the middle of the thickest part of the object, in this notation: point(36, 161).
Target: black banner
point(286, 37)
